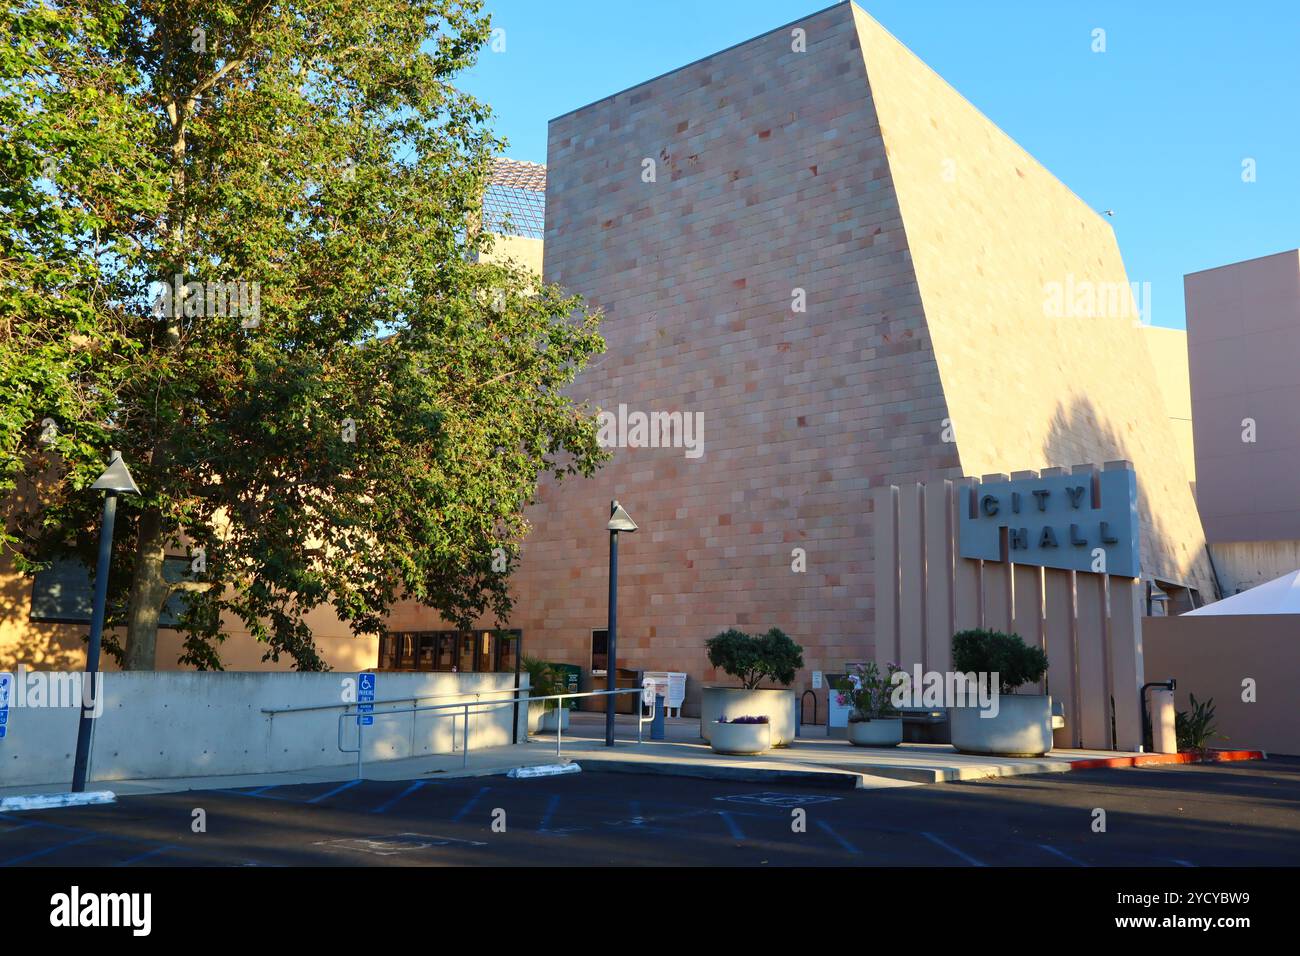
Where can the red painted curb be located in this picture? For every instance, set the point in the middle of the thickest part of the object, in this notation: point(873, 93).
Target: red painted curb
point(1155, 760)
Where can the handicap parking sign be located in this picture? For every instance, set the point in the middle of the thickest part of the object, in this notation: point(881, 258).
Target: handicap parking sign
point(6, 685)
point(366, 699)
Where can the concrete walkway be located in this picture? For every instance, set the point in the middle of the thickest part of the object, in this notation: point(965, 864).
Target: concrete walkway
point(813, 759)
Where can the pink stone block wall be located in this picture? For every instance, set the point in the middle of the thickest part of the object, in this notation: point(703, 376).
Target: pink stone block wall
point(770, 177)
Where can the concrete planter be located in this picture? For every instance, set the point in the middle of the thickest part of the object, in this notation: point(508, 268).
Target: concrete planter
point(740, 738)
point(541, 720)
point(777, 705)
point(877, 732)
point(557, 716)
point(1022, 728)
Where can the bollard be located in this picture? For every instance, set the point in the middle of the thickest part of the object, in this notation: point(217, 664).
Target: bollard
point(1164, 738)
point(657, 724)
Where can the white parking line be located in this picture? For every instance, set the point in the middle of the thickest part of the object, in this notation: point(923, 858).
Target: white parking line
point(951, 849)
point(1064, 856)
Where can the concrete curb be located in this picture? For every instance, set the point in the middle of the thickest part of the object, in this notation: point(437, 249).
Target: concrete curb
point(1158, 760)
point(831, 779)
point(49, 801)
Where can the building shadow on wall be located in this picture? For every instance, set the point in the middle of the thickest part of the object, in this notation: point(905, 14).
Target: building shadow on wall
point(1079, 435)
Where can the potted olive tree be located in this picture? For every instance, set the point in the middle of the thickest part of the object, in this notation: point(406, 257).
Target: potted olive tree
point(753, 659)
point(1012, 725)
point(543, 681)
point(873, 721)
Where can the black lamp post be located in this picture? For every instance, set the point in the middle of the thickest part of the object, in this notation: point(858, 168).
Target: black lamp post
point(619, 520)
point(115, 481)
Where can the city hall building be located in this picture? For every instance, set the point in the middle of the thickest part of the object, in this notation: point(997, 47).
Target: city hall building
point(823, 272)
point(842, 275)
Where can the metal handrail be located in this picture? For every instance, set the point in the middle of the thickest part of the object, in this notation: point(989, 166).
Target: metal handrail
point(480, 707)
point(392, 700)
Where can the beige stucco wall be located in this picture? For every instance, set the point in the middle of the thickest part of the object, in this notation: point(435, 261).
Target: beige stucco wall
point(39, 646)
point(45, 646)
point(991, 234)
point(1243, 335)
point(1245, 564)
point(1168, 348)
point(519, 249)
point(1212, 656)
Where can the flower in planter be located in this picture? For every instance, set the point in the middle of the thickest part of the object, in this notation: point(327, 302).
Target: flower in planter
point(867, 691)
point(761, 719)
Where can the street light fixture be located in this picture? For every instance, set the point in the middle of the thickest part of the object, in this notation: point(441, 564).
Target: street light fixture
point(115, 480)
point(619, 520)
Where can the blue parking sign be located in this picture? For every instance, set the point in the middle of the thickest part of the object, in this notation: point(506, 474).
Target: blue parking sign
point(366, 699)
point(6, 688)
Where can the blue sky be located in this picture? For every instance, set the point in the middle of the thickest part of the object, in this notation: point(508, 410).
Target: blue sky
point(1156, 127)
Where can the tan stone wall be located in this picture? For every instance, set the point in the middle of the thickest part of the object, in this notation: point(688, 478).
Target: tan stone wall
point(990, 231)
point(770, 177)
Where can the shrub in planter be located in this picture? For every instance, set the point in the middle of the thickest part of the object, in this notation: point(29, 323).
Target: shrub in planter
point(753, 659)
point(1194, 728)
point(543, 681)
point(992, 652)
point(1022, 725)
point(873, 721)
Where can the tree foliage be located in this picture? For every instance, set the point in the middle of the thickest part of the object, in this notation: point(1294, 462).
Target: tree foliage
point(369, 424)
point(754, 658)
point(982, 651)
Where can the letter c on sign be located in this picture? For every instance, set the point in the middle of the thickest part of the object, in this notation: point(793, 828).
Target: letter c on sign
point(989, 505)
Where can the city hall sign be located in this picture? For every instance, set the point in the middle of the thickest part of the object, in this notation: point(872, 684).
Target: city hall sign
point(1075, 522)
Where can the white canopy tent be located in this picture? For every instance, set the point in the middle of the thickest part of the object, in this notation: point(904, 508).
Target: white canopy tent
point(1279, 596)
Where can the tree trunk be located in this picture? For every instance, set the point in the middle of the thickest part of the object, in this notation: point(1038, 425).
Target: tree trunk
point(149, 591)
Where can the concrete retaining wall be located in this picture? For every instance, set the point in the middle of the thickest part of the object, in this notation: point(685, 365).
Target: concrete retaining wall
point(181, 724)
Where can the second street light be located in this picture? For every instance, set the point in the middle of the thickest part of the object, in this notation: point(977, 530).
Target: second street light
point(619, 520)
point(116, 480)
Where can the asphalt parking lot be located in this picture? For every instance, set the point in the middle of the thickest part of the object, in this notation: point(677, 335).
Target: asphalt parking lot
point(1242, 814)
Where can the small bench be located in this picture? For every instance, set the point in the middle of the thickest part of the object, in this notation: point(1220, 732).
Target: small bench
point(925, 725)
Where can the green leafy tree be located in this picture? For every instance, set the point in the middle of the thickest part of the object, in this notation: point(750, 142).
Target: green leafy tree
point(348, 405)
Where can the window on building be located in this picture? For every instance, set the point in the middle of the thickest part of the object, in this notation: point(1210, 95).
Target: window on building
point(465, 651)
point(599, 652)
point(427, 643)
point(446, 650)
